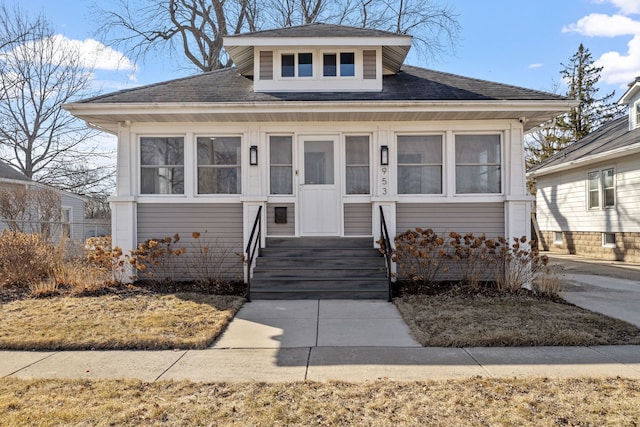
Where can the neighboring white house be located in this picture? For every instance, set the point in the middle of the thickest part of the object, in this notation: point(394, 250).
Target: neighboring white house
point(71, 221)
point(320, 125)
point(588, 195)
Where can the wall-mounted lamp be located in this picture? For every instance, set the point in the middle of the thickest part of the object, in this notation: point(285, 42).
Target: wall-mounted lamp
point(253, 155)
point(384, 155)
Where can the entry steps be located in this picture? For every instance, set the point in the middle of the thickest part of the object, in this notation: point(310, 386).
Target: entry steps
point(319, 268)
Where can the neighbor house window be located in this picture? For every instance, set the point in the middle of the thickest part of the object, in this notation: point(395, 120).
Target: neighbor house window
point(609, 240)
point(66, 222)
point(478, 164)
point(419, 164)
point(343, 62)
point(281, 165)
point(601, 189)
point(302, 62)
point(219, 165)
point(638, 114)
point(557, 237)
point(357, 164)
point(162, 165)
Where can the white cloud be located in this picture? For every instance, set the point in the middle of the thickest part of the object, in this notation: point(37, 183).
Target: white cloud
point(627, 7)
point(599, 25)
point(621, 68)
point(618, 68)
point(95, 55)
point(536, 65)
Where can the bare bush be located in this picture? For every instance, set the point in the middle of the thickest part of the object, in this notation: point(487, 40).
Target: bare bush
point(26, 259)
point(421, 255)
point(210, 261)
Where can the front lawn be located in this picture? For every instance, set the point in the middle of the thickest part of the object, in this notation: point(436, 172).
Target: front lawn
point(130, 321)
point(459, 318)
point(476, 401)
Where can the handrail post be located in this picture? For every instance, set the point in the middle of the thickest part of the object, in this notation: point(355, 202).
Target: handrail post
point(384, 234)
point(251, 249)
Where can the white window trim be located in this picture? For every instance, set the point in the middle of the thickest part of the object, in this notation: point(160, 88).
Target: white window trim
point(243, 158)
point(454, 163)
point(138, 149)
point(63, 223)
point(636, 111)
point(357, 59)
point(296, 54)
point(604, 240)
point(293, 166)
point(344, 151)
point(443, 165)
point(601, 189)
point(557, 241)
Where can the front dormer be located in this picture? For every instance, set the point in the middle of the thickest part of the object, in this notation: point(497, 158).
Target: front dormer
point(318, 58)
point(631, 98)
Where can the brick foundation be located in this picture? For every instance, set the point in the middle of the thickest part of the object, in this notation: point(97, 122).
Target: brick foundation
point(589, 244)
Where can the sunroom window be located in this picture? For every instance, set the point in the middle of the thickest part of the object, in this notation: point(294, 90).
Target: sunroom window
point(478, 164)
point(357, 164)
point(281, 165)
point(162, 165)
point(420, 164)
point(219, 165)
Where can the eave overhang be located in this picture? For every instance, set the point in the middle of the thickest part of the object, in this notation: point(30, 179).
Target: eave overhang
point(107, 116)
point(586, 161)
point(630, 94)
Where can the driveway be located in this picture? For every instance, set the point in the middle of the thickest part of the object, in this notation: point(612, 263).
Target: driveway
point(607, 287)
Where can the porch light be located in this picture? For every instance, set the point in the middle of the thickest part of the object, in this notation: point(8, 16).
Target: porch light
point(253, 155)
point(384, 155)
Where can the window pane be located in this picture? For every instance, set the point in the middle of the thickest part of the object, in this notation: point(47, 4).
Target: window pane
point(420, 164)
point(478, 149)
point(288, 65)
point(213, 180)
point(594, 178)
point(357, 162)
point(329, 65)
point(609, 197)
point(280, 175)
point(161, 151)
point(607, 176)
point(477, 179)
point(305, 65)
point(594, 189)
point(318, 162)
point(347, 64)
point(162, 180)
point(219, 165)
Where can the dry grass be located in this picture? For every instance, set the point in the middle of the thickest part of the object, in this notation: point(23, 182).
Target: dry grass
point(184, 320)
point(477, 401)
point(452, 320)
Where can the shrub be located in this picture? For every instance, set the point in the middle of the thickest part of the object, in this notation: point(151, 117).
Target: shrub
point(421, 255)
point(26, 259)
point(210, 261)
point(475, 256)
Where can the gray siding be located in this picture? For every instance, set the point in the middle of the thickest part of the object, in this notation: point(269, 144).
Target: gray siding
point(266, 65)
point(443, 218)
point(357, 219)
point(220, 228)
point(288, 229)
point(369, 64)
point(77, 216)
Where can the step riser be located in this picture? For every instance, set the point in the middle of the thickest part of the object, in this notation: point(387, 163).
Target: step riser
point(324, 273)
point(319, 242)
point(318, 285)
point(319, 253)
point(318, 295)
point(328, 263)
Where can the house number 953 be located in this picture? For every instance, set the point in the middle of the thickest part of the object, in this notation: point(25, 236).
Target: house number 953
point(384, 182)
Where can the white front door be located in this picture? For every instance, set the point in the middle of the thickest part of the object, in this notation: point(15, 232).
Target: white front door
point(319, 202)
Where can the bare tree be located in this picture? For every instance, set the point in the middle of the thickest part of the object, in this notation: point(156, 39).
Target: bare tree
point(38, 74)
point(195, 28)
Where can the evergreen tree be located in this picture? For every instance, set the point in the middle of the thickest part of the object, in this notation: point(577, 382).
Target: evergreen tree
point(581, 77)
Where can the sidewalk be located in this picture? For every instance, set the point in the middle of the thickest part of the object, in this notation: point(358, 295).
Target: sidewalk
point(319, 341)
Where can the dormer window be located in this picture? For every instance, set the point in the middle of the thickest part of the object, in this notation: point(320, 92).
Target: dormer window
point(638, 114)
point(302, 62)
point(343, 62)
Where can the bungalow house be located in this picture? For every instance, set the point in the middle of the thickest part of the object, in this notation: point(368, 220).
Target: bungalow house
point(588, 198)
point(67, 216)
point(318, 131)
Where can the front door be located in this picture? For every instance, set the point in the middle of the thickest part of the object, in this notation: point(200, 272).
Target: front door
point(319, 202)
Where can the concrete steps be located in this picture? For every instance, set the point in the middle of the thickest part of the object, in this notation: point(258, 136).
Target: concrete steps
point(319, 268)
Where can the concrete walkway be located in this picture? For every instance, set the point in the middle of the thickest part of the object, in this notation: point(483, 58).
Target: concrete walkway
point(323, 340)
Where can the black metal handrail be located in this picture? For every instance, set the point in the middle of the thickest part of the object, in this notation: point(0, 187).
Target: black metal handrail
point(252, 247)
point(385, 242)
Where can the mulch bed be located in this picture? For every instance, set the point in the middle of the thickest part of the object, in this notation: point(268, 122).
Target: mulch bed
point(10, 293)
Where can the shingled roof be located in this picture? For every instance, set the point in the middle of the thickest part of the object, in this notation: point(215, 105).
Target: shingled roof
point(410, 84)
point(8, 172)
point(610, 137)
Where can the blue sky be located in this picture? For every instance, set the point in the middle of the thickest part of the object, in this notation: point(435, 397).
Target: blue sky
point(519, 42)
